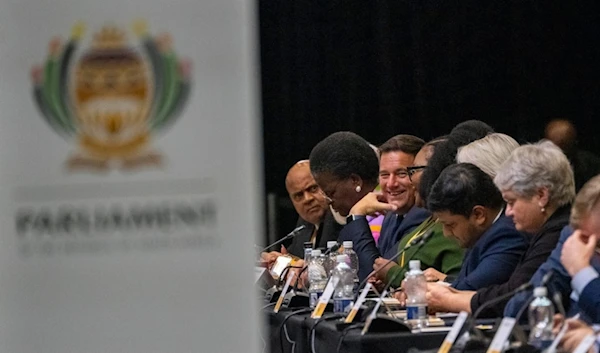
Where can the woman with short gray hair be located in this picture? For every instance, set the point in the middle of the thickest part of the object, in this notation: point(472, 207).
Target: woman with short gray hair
point(540, 174)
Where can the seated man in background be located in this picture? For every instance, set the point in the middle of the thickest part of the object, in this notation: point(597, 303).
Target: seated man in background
point(470, 208)
point(313, 211)
point(574, 262)
point(585, 164)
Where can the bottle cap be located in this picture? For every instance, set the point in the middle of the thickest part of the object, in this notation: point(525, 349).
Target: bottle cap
point(315, 253)
point(414, 264)
point(331, 244)
point(341, 258)
point(347, 244)
point(307, 244)
point(540, 292)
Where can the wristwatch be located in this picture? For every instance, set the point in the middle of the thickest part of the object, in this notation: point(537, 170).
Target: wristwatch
point(353, 217)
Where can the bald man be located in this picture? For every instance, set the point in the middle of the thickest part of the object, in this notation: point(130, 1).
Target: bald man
point(313, 211)
point(585, 164)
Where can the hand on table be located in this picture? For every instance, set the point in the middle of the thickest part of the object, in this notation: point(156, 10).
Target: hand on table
point(576, 332)
point(433, 275)
point(270, 257)
point(557, 322)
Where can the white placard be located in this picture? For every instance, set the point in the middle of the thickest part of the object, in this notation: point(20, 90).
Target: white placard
point(324, 298)
point(453, 333)
point(359, 302)
point(502, 335)
point(129, 176)
point(290, 277)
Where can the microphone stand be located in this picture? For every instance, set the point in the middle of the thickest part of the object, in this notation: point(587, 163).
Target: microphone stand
point(478, 340)
point(384, 323)
point(416, 242)
point(273, 293)
point(518, 330)
point(290, 235)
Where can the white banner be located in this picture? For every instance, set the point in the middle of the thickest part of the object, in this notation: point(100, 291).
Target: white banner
point(129, 176)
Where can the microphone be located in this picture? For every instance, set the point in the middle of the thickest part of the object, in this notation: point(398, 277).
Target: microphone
point(290, 235)
point(420, 241)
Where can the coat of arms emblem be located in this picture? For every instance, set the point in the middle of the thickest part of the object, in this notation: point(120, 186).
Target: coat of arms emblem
point(111, 97)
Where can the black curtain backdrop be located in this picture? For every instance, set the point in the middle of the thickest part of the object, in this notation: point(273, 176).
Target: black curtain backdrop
point(380, 68)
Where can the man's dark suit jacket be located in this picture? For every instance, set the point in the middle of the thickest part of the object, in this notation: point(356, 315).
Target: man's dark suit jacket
point(391, 235)
point(363, 243)
point(329, 230)
point(589, 300)
point(494, 257)
point(540, 247)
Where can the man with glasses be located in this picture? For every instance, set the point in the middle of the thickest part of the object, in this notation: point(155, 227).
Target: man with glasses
point(438, 253)
point(397, 154)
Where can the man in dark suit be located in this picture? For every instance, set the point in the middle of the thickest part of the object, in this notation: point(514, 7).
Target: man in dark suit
point(313, 212)
point(397, 154)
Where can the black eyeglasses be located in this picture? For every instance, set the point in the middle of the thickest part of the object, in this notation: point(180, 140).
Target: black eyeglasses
point(412, 170)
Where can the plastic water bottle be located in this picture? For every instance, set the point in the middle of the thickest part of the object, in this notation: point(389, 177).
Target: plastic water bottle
point(343, 295)
point(331, 257)
point(352, 261)
point(352, 257)
point(317, 277)
point(415, 289)
point(307, 251)
point(541, 316)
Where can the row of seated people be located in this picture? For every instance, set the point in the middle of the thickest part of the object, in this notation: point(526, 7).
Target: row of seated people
point(496, 215)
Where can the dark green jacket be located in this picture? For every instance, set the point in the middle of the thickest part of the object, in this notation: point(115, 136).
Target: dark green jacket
point(439, 252)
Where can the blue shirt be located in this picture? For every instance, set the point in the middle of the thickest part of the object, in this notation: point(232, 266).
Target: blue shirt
point(560, 282)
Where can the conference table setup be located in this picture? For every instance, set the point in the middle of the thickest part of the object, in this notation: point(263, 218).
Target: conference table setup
point(293, 330)
point(375, 323)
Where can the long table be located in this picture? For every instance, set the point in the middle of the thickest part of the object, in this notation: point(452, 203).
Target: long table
point(292, 330)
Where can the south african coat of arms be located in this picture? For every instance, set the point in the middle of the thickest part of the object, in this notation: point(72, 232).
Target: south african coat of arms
point(111, 97)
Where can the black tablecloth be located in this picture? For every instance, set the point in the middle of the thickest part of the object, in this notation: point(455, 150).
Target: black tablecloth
point(294, 335)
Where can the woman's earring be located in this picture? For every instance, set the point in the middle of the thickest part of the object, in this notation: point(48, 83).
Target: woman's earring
point(358, 188)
